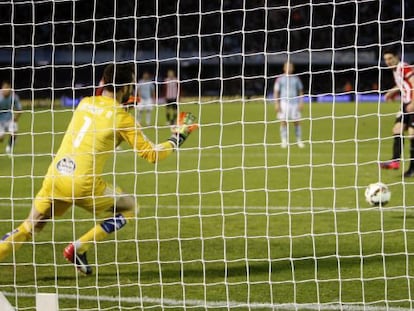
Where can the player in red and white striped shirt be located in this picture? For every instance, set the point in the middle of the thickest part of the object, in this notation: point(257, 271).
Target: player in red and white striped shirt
point(404, 80)
point(172, 94)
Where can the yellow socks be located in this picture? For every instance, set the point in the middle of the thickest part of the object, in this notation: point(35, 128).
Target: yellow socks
point(14, 240)
point(97, 233)
point(100, 232)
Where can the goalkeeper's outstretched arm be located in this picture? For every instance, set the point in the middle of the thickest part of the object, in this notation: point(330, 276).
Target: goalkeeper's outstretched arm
point(156, 152)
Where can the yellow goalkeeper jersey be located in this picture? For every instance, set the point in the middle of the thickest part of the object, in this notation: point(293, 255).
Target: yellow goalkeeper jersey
point(98, 125)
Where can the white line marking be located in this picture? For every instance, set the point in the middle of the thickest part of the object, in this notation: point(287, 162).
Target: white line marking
point(218, 304)
point(253, 207)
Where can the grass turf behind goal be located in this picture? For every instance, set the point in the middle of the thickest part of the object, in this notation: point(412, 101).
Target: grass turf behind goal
point(232, 221)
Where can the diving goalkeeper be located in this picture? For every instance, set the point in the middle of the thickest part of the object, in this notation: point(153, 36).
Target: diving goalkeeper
point(98, 125)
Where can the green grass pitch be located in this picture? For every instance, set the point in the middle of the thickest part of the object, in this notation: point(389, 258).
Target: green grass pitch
point(229, 220)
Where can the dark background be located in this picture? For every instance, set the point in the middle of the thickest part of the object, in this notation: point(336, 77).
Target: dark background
point(227, 47)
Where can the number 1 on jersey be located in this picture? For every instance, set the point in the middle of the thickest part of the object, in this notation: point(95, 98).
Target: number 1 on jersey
point(87, 122)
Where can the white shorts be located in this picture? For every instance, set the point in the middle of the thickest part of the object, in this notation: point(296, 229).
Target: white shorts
point(145, 104)
point(8, 127)
point(289, 112)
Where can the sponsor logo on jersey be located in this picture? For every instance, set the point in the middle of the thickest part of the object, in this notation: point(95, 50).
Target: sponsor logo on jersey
point(66, 166)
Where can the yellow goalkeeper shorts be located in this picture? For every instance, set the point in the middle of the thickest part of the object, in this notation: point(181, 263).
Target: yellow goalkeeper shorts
point(57, 195)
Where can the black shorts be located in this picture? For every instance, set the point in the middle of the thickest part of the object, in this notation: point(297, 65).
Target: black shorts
point(407, 118)
point(171, 103)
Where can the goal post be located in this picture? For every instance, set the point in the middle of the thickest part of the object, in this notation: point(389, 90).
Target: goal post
point(263, 206)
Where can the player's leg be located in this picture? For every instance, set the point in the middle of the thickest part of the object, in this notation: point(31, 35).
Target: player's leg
point(10, 144)
point(410, 171)
point(168, 113)
point(283, 134)
point(13, 240)
point(148, 113)
point(145, 108)
point(116, 217)
point(397, 132)
point(298, 133)
point(283, 117)
point(110, 203)
point(138, 112)
point(2, 131)
point(296, 115)
point(12, 129)
point(174, 113)
point(36, 220)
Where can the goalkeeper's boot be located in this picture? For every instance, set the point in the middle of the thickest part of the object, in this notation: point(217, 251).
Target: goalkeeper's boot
point(409, 173)
point(79, 260)
point(390, 165)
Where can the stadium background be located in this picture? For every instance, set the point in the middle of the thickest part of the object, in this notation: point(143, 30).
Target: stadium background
point(254, 225)
point(58, 48)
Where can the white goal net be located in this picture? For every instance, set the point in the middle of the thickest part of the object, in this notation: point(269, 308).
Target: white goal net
point(263, 206)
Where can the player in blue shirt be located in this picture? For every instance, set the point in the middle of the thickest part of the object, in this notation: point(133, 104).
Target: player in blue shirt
point(146, 92)
point(10, 109)
point(288, 94)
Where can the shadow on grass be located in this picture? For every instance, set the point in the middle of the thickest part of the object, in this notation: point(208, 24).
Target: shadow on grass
point(279, 270)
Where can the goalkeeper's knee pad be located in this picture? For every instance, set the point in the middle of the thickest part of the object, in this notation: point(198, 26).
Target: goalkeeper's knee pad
point(115, 223)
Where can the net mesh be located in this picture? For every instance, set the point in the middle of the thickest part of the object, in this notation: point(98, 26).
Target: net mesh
point(234, 219)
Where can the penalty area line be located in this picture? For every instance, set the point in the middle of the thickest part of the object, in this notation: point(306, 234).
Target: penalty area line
point(252, 207)
point(217, 304)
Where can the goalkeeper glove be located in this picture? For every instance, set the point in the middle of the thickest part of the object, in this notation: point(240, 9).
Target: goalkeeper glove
point(133, 100)
point(185, 125)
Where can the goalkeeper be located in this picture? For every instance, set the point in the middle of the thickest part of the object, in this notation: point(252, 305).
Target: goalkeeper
point(98, 125)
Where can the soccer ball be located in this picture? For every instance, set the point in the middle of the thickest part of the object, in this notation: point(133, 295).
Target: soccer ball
point(377, 194)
